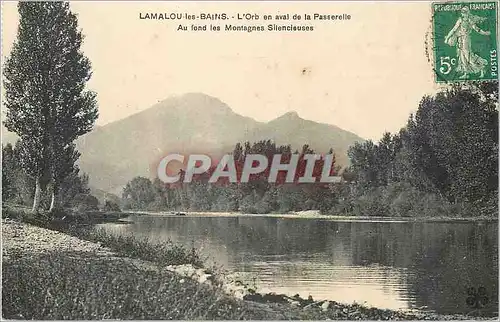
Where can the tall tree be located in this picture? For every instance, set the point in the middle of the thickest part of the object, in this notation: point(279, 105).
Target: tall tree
point(47, 104)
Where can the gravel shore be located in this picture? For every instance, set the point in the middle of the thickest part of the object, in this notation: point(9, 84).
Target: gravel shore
point(24, 238)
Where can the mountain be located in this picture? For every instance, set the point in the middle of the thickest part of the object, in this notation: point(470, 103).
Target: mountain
point(192, 123)
point(291, 129)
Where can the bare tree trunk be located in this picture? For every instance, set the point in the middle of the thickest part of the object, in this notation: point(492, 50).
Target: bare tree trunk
point(53, 201)
point(36, 199)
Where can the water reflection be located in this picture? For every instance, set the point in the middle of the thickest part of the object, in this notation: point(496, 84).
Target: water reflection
point(387, 265)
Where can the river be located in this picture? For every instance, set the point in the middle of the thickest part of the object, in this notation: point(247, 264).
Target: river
point(387, 264)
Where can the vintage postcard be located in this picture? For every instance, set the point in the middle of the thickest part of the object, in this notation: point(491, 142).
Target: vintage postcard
point(249, 160)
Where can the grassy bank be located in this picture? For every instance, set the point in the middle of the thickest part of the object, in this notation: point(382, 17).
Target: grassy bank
point(79, 286)
point(82, 286)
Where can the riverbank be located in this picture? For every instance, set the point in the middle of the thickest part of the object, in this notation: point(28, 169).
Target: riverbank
point(51, 275)
point(315, 214)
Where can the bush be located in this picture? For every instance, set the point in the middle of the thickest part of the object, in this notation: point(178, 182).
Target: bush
point(489, 207)
point(371, 204)
point(85, 202)
point(13, 212)
point(402, 200)
point(249, 203)
point(41, 219)
point(111, 206)
point(164, 254)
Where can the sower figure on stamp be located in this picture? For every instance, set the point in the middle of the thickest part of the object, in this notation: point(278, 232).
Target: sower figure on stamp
point(460, 36)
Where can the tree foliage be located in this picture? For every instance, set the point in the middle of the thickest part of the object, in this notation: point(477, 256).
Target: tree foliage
point(449, 148)
point(257, 195)
point(47, 104)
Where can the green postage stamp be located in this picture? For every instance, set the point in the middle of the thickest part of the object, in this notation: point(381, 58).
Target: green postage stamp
point(465, 41)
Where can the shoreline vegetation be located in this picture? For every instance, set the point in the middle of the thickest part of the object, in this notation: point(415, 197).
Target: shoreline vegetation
point(312, 214)
point(55, 271)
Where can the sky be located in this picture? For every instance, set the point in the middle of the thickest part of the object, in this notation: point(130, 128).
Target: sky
point(365, 75)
